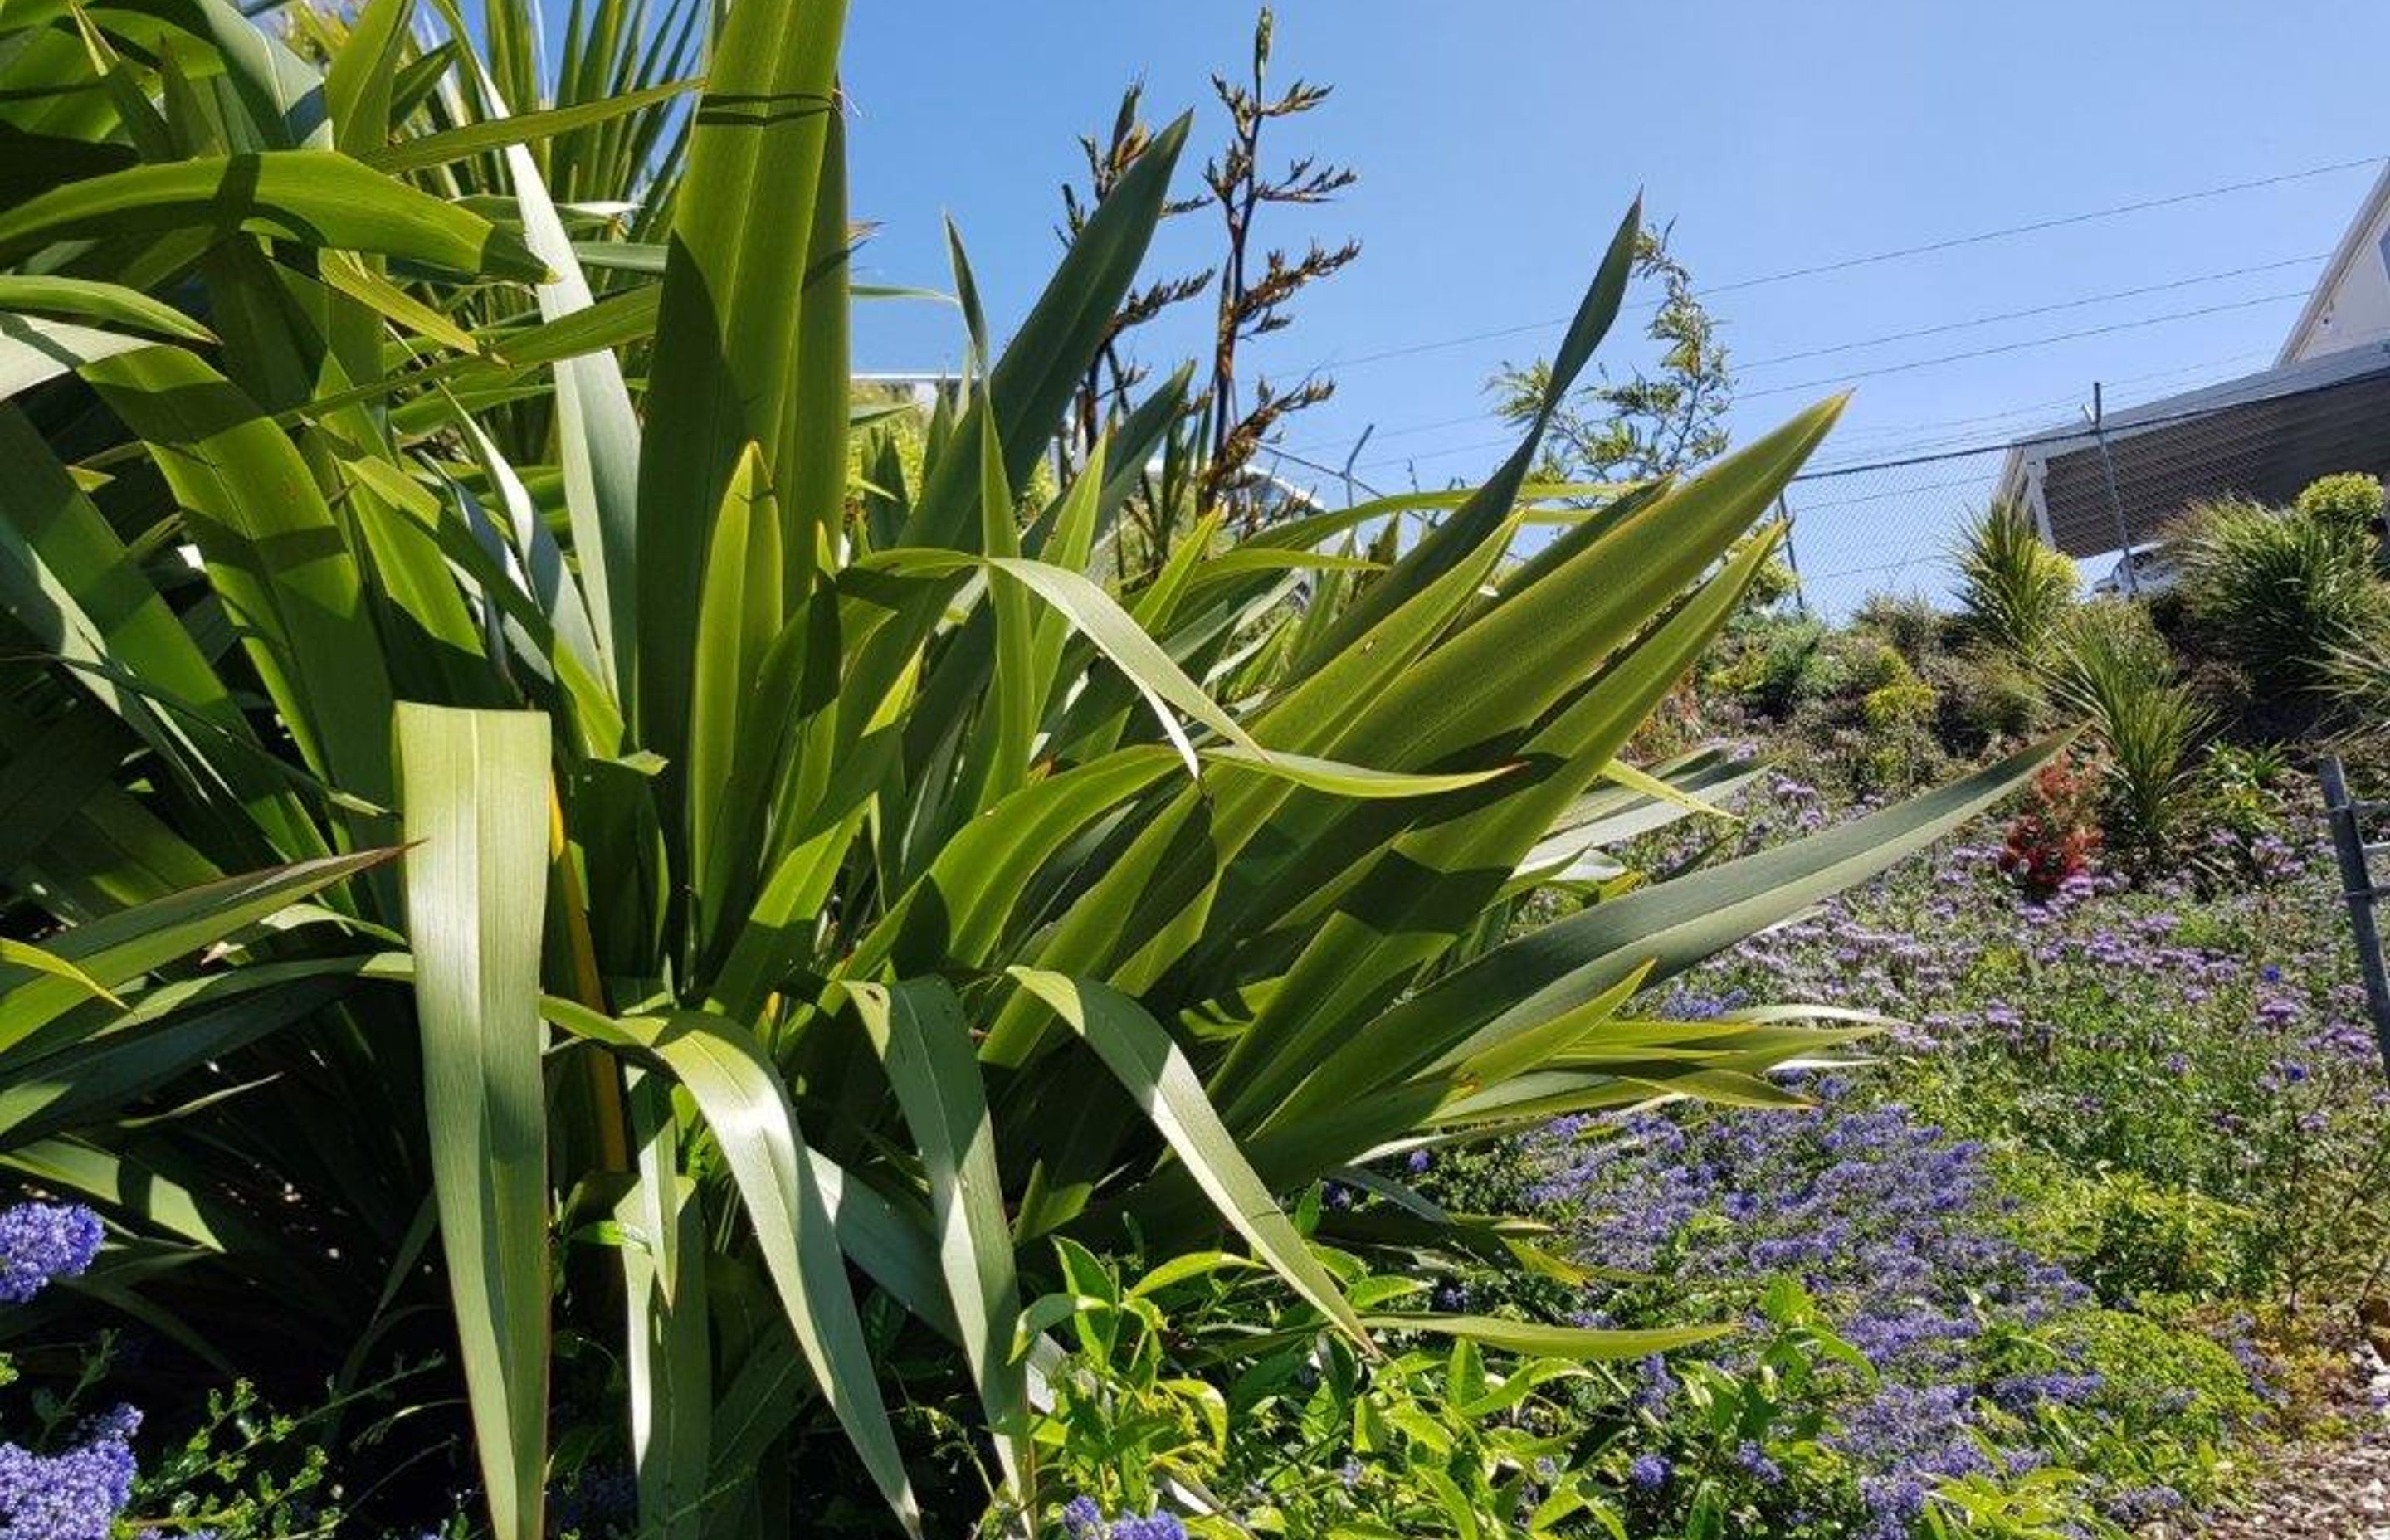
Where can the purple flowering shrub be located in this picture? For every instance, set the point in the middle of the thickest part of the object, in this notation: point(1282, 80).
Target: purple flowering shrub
point(69, 1472)
point(78, 1492)
point(2180, 1074)
point(42, 1243)
point(1897, 1231)
point(2119, 1122)
point(1083, 1519)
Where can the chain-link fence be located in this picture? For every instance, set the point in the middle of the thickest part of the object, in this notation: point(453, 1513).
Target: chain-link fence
point(1884, 528)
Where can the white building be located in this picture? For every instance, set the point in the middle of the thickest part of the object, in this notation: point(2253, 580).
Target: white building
point(2324, 407)
point(2350, 306)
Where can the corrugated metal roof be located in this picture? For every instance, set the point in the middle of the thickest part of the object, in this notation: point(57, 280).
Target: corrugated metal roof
point(2263, 436)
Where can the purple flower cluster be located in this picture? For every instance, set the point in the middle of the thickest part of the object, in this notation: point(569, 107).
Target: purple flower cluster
point(79, 1492)
point(75, 1496)
point(43, 1242)
point(1894, 1226)
point(1083, 1519)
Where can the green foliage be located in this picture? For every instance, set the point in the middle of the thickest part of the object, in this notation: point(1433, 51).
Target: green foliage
point(1312, 1436)
point(785, 906)
point(2279, 594)
point(1899, 719)
point(1776, 664)
point(2014, 589)
point(1775, 583)
point(2114, 667)
point(248, 1472)
point(2243, 784)
point(1657, 421)
point(2131, 1239)
point(1436, 1437)
point(1986, 697)
point(2162, 1376)
point(2356, 676)
point(2169, 1401)
point(1889, 707)
point(2350, 502)
point(1917, 627)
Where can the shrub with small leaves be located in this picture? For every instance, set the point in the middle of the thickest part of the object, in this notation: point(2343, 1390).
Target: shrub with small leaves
point(1898, 705)
point(2350, 501)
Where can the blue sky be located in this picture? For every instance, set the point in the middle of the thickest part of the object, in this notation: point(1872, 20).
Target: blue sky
point(1499, 142)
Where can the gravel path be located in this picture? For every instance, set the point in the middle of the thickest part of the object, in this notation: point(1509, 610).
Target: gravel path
point(2327, 1491)
point(2321, 1492)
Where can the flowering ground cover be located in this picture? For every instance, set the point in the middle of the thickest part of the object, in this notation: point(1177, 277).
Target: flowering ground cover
point(2095, 1225)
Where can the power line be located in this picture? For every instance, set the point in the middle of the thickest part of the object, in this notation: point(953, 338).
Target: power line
point(1829, 382)
point(1903, 564)
point(2085, 302)
point(1897, 253)
point(1940, 434)
point(1799, 509)
point(1943, 329)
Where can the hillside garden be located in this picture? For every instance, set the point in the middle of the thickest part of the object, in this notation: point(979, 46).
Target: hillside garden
point(605, 933)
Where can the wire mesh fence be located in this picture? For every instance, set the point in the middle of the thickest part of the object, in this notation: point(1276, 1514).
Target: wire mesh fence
point(1884, 528)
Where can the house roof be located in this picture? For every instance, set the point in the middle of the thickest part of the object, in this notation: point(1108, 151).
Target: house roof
point(2264, 436)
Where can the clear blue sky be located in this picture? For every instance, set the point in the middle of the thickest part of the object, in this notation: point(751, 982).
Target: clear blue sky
point(1498, 142)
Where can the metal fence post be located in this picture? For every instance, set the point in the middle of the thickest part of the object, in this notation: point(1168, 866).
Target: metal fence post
point(2357, 884)
point(1800, 594)
point(2115, 500)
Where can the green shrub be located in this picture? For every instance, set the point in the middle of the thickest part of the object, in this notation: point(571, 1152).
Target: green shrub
point(1915, 625)
point(2114, 667)
point(1985, 696)
point(2350, 502)
point(1776, 664)
point(2245, 785)
point(2356, 675)
point(1771, 586)
point(1437, 1436)
point(1891, 707)
point(2013, 588)
point(2279, 594)
point(2130, 1240)
point(1779, 665)
point(2176, 1376)
point(2170, 1399)
point(1869, 664)
point(1901, 751)
point(559, 886)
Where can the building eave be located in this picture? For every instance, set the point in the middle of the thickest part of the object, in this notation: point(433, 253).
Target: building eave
point(2352, 245)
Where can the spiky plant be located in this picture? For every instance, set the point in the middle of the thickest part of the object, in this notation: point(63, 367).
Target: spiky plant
point(2279, 592)
point(2112, 667)
point(722, 912)
point(2014, 588)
